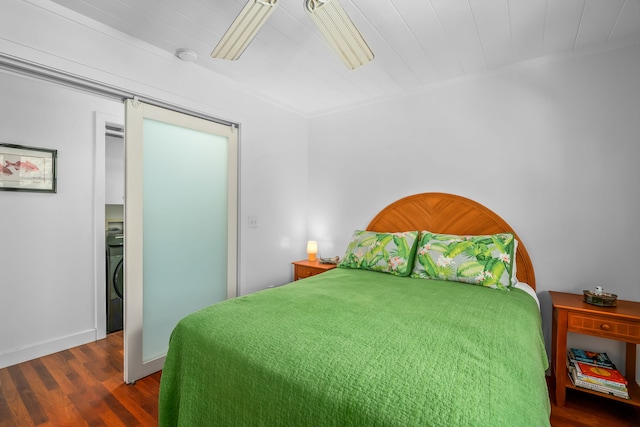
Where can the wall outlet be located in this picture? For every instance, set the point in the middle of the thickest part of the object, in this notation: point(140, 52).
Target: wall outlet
point(253, 221)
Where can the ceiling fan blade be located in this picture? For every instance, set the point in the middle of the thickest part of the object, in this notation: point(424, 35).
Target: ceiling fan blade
point(340, 32)
point(245, 27)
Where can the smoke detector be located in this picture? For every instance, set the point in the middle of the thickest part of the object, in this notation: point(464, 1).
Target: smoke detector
point(186, 55)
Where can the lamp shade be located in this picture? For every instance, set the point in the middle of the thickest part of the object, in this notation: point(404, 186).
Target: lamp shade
point(312, 250)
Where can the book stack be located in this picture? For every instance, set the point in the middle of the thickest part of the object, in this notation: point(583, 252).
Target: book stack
point(595, 371)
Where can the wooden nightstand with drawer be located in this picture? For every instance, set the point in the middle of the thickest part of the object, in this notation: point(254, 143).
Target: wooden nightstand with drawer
point(621, 323)
point(304, 268)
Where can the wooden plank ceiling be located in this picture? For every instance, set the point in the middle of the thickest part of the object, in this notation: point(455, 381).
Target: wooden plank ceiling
point(417, 43)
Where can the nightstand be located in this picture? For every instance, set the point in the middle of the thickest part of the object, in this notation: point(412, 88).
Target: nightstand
point(620, 323)
point(305, 268)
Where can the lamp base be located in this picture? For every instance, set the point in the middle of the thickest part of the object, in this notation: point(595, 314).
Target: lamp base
point(311, 257)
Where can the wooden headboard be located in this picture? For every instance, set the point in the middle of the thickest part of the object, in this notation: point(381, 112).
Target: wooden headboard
point(447, 213)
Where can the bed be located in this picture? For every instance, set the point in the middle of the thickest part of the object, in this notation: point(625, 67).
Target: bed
point(358, 346)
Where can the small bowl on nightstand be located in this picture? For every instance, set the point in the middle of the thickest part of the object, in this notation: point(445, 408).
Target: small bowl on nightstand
point(600, 299)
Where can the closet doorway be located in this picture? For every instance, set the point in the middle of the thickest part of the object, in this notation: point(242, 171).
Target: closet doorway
point(114, 225)
point(109, 180)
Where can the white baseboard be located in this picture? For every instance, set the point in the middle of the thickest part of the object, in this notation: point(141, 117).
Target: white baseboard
point(14, 357)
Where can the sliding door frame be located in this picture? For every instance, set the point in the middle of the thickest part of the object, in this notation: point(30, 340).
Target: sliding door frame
point(135, 367)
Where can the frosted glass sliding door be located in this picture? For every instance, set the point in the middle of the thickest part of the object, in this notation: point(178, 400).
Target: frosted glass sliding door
point(180, 214)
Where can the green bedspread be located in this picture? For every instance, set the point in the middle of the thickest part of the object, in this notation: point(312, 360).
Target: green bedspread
point(359, 348)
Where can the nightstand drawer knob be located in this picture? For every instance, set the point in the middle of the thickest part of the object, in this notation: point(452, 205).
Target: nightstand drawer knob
point(605, 327)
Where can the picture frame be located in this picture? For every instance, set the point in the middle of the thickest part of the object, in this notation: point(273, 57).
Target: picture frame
point(25, 168)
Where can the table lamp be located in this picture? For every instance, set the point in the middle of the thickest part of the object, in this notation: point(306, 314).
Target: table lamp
point(312, 250)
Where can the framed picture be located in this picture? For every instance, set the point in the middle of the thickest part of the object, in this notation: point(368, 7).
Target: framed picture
point(27, 168)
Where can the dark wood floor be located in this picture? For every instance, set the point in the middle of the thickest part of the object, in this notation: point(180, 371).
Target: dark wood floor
point(587, 410)
point(83, 386)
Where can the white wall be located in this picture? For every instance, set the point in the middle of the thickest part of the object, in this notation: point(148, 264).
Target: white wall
point(551, 146)
point(46, 277)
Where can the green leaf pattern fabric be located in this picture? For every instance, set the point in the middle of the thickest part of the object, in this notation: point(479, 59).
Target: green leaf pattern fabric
point(384, 252)
point(480, 260)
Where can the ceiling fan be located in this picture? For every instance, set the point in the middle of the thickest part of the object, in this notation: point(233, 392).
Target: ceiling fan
point(329, 16)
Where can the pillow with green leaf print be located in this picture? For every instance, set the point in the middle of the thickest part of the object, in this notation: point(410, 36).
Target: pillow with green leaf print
point(480, 260)
point(384, 252)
